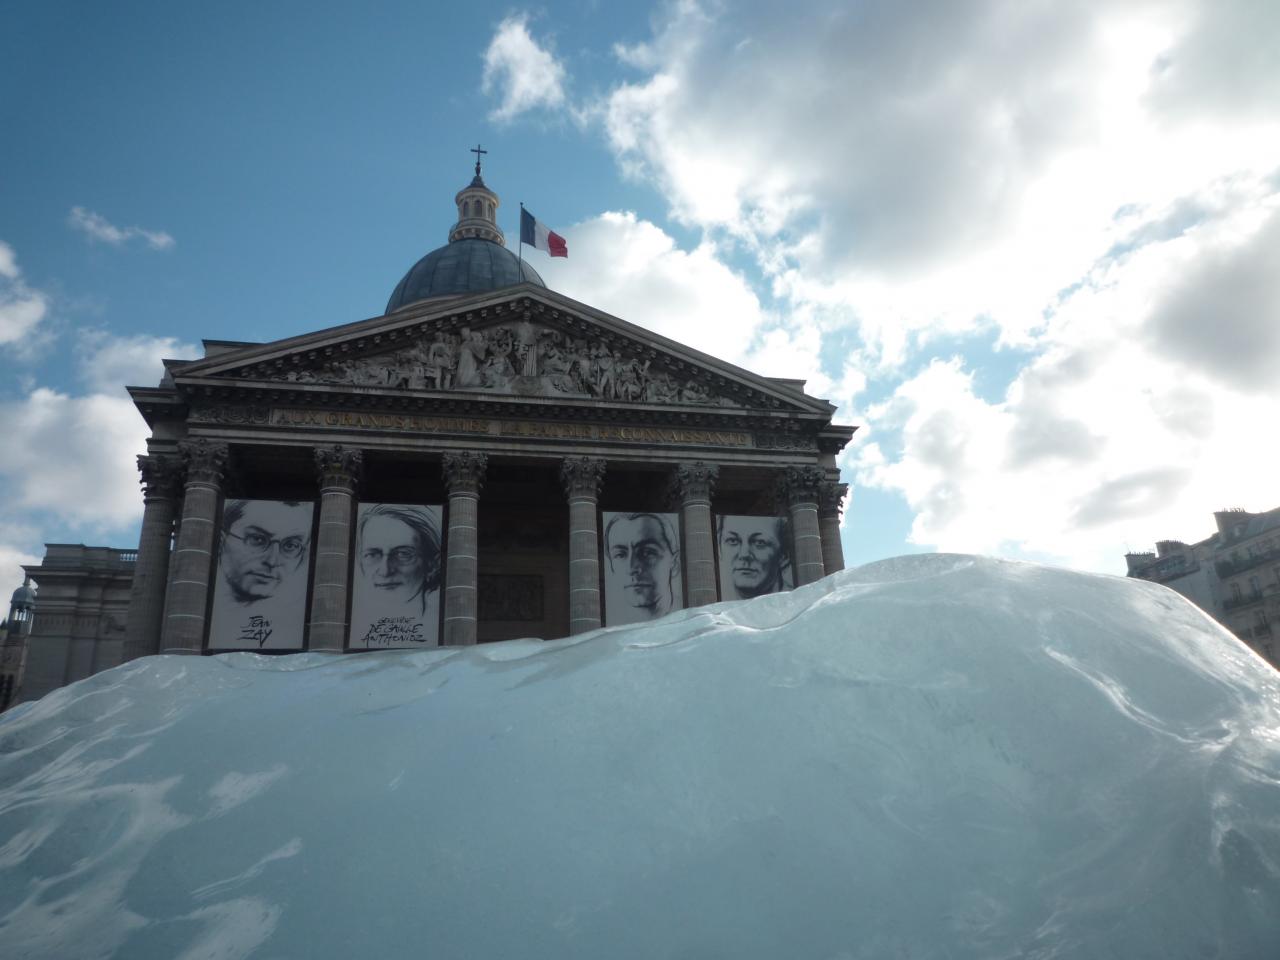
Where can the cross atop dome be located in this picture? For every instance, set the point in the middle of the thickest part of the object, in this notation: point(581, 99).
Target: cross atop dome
point(478, 151)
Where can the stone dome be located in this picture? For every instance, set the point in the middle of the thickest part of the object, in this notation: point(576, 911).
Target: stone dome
point(468, 265)
point(475, 260)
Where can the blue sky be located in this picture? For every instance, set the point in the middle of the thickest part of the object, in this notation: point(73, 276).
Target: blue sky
point(1031, 249)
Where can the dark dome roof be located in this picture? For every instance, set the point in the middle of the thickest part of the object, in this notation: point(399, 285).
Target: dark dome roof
point(471, 265)
point(24, 596)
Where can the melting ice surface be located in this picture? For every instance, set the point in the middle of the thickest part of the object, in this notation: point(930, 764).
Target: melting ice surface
point(928, 757)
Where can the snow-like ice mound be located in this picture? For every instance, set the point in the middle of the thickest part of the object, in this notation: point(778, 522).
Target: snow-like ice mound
point(928, 757)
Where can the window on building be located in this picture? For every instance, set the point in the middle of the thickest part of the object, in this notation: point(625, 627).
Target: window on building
point(1235, 591)
point(1255, 586)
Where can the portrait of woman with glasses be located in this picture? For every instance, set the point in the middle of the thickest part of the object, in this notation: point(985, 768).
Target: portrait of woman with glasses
point(260, 591)
point(396, 600)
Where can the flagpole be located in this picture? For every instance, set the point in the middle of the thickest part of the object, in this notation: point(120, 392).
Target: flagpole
point(521, 247)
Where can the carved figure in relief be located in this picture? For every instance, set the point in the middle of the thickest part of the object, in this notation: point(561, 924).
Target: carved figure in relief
point(630, 379)
point(604, 376)
point(470, 355)
point(439, 363)
point(693, 393)
point(553, 360)
point(580, 365)
point(407, 371)
point(527, 348)
point(498, 369)
point(521, 357)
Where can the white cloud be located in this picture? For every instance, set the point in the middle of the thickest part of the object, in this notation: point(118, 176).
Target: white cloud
point(634, 270)
point(1118, 433)
point(97, 227)
point(1222, 315)
point(73, 456)
point(69, 462)
point(1094, 184)
point(522, 74)
point(108, 363)
point(21, 307)
point(928, 170)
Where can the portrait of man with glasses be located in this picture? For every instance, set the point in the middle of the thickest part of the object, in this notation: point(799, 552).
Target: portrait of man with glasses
point(396, 596)
point(260, 591)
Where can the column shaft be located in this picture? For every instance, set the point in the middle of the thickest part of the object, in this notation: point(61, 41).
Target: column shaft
point(808, 542)
point(151, 569)
point(692, 485)
point(581, 477)
point(800, 489)
point(832, 550)
point(339, 469)
point(464, 475)
point(830, 502)
point(193, 558)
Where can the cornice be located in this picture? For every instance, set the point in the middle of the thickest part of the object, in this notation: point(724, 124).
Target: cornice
point(199, 397)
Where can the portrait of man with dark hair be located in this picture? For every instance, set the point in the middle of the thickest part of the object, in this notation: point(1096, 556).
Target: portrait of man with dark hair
point(260, 585)
point(642, 567)
point(398, 572)
point(755, 556)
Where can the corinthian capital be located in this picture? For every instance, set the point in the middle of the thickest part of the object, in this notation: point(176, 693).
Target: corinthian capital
point(831, 498)
point(582, 476)
point(161, 476)
point(339, 466)
point(464, 472)
point(693, 481)
point(206, 460)
point(799, 485)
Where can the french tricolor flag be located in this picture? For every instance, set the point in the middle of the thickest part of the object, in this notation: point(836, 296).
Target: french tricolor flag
point(536, 234)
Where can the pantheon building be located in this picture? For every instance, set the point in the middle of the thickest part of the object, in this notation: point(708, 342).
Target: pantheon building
point(487, 459)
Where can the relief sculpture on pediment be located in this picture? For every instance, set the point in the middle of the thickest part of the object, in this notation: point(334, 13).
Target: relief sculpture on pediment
point(518, 359)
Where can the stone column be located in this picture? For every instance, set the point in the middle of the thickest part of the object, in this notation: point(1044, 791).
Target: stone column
point(193, 557)
point(463, 475)
point(160, 478)
point(692, 485)
point(339, 469)
point(581, 477)
point(830, 500)
point(799, 489)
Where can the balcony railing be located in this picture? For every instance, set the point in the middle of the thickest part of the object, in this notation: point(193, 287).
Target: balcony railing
point(1246, 600)
point(1230, 567)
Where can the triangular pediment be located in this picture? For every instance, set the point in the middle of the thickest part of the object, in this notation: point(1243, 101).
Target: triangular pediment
point(520, 342)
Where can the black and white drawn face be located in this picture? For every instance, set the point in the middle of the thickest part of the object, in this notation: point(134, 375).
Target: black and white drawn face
point(393, 558)
point(260, 591)
point(642, 566)
point(264, 542)
point(397, 588)
point(754, 556)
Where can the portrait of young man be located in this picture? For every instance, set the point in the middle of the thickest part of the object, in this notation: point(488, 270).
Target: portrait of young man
point(398, 572)
point(642, 577)
point(755, 556)
point(260, 584)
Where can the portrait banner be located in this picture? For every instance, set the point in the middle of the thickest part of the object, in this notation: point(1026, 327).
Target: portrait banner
point(643, 579)
point(754, 555)
point(260, 580)
point(399, 568)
